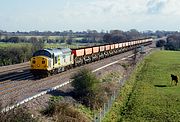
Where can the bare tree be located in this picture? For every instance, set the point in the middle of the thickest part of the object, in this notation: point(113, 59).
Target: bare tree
point(36, 44)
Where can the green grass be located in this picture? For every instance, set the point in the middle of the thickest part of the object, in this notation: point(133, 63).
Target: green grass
point(62, 45)
point(5, 45)
point(46, 37)
point(47, 45)
point(148, 95)
point(111, 77)
point(28, 37)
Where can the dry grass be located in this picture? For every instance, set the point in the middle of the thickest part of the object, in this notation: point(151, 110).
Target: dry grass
point(20, 114)
point(65, 112)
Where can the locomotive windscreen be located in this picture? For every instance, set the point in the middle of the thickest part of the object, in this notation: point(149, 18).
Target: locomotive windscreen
point(42, 53)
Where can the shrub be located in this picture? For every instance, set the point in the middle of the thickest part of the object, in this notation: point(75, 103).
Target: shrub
point(20, 114)
point(66, 112)
point(90, 91)
point(96, 99)
point(50, 109)
point(84, 83)
point(63, 112)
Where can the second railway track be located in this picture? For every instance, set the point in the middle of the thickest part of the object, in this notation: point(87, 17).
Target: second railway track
point(14, 68)
point(13, 76)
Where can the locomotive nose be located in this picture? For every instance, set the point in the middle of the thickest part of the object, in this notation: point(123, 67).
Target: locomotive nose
point(39, 62)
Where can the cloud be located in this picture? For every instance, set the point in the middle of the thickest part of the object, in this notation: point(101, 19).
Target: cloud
point(94, 14)
point(171, 8)
point(156, 6)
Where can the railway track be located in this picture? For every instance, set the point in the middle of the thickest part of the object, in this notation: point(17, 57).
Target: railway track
point(13, 76)
point(13, 72)
point(18, 90)
point(15, 83)
point(14, 68)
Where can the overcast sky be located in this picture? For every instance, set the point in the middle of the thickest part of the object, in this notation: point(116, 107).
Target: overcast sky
point(79, 15)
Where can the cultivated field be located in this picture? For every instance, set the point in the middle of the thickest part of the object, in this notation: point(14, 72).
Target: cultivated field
point(48, 45)
point(149, 95)
point(7, 45)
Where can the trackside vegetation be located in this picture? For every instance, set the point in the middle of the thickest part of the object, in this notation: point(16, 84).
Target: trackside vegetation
point(20, 114)
point(89, 94)
point(87, 89)
point(148, 95)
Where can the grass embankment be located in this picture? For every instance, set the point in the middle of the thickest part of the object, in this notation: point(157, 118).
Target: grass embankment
point(148, 95)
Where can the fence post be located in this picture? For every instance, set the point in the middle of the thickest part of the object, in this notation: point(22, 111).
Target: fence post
point(94, 117)
point(100, 115)
point(114, 96)
point(108, 105)
point(104, 109)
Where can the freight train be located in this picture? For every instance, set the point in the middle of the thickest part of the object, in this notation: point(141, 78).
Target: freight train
point(46, 62)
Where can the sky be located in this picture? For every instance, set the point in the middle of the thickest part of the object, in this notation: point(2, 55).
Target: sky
point(80, 15)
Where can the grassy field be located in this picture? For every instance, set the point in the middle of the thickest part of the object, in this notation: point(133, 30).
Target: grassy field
point(28, 37)
point(149, 95)
point(49, 45)
point(7, 45)
point(48, 37)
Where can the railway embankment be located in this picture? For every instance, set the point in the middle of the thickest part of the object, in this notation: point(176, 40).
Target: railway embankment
point(148, 95)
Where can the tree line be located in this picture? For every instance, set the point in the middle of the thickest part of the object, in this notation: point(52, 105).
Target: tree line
point(19, 54)
point(89, 36)
point(171, 43)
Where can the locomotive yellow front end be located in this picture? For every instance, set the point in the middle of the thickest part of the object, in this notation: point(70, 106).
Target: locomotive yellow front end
point(39, 63)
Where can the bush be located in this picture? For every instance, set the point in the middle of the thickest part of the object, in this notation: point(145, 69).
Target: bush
point(65, 112)
point(86, 110)
point(84, 83)
point(17, 115)
point(87, 90)
point(14, 55)
point(50, 109)
point(160, 43)
point(96, 99)
point(90, 91)
point(36, 44)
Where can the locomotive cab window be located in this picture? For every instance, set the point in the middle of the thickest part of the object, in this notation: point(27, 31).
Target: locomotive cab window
point(42, 53)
